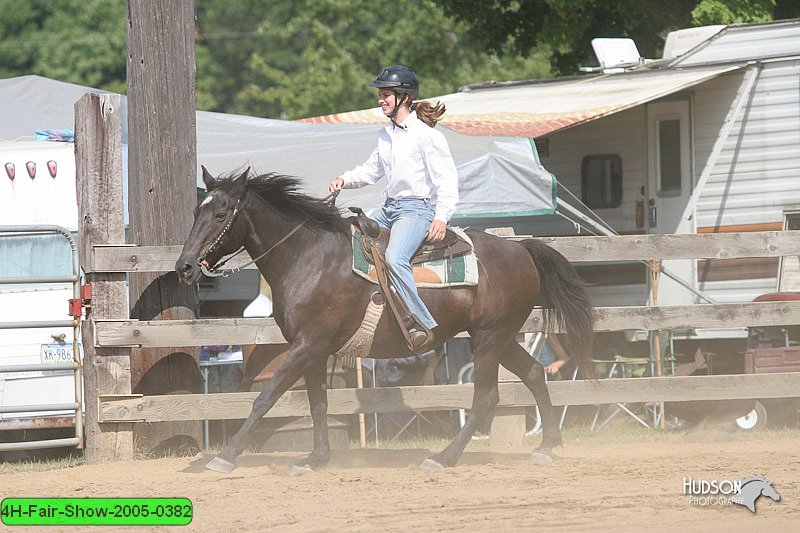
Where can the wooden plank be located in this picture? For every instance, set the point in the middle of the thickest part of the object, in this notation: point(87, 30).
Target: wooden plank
point(133, 258)
point(226, 406)
point(701, 246)
point(98, 171)
point(576, 249)
point(265, 331)
point(688, 316)
point(188, 332)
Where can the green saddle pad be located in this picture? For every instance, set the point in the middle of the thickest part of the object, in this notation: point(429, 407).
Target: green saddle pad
point(458, 270)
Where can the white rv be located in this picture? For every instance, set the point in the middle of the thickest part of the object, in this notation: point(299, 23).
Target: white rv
point(38, 276)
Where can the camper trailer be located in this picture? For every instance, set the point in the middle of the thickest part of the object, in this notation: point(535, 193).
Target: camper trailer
point(39, 275)
point(714, 151)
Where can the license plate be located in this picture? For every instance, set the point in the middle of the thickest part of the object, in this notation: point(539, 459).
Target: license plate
point(56, 353)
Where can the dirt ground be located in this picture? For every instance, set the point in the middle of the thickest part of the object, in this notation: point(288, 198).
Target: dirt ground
point(616, 486)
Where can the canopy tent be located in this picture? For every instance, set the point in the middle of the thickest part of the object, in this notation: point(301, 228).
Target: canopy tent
point(539, 107)
point(499, 176)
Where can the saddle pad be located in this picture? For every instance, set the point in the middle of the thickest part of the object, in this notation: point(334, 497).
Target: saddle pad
point(458, 270)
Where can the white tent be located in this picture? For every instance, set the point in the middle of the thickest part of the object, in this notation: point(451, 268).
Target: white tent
point(499, 176)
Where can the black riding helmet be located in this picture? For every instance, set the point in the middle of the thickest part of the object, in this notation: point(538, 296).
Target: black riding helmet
point(398, 78)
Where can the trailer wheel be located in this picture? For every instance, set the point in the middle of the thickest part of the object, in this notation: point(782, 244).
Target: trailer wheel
point(755, 419)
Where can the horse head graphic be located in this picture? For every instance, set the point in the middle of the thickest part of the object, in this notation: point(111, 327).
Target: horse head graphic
point(752, 488)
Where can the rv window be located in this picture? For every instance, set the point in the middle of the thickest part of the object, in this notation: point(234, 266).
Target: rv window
point(669, 156)
point(35, 255)
point(601, 181)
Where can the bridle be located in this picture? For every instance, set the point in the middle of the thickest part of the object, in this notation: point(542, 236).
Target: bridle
point(215, 272)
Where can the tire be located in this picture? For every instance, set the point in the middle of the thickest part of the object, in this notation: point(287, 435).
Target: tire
point(754, 420)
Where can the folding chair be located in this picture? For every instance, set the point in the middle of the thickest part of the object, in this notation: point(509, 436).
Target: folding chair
point(398, 420)
point(617, 368)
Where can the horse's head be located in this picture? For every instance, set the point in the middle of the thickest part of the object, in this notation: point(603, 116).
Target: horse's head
point(218, 228)
point(769, 491)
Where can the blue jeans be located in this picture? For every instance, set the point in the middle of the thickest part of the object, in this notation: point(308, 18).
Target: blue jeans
point(409, 220)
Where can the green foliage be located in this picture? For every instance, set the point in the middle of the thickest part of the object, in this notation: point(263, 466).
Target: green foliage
point(566, 27)
point(297, 58)
point(710, 12)
point(77, 41)
point(311, 57)
point(19, 20)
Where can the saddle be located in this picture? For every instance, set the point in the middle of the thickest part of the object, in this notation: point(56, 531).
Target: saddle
point(450, 246)
point(374, 241)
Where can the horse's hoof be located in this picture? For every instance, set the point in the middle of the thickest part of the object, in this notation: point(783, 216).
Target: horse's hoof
point(300, 470)
point(220, 465)
point(541, 458)
point(430, 464)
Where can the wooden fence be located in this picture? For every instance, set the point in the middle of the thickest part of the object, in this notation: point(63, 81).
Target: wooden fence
point(111, 409)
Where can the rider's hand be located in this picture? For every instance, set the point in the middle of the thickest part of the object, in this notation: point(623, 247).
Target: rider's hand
point(436, 231)
point(336, 185)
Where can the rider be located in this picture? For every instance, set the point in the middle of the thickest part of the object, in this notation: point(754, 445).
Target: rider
point(421, 183)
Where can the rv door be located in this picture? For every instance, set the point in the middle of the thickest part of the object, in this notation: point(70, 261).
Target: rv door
point(669, 185)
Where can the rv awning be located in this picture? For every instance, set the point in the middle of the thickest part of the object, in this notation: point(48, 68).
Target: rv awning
point(534, 109)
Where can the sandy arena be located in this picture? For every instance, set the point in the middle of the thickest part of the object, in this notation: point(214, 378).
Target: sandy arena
point(632, 485)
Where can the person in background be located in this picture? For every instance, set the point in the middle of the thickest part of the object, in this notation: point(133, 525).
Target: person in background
point(551, 355)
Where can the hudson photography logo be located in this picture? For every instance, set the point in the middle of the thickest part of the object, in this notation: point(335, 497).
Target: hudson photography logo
point(727, 492)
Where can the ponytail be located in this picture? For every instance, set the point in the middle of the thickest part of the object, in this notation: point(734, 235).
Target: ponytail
point(428, 113)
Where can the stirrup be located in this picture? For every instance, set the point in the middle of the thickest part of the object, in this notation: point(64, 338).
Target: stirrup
point(419, 338)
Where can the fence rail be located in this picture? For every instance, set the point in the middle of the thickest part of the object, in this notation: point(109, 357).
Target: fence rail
point(229, 405)
point(133, 258)
point(162, 333)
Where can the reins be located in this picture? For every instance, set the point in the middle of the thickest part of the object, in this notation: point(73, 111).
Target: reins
point(214, 272)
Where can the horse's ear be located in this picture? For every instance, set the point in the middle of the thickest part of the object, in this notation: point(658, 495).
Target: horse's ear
point(208, 179)
point(240, 183)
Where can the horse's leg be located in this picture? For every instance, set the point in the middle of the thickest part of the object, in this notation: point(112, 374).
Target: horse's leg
point(484, 399)
point(318, 402)
point(518, 361)
point(297, 361)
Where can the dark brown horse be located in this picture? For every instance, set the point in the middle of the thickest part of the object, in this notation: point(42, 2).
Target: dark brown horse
point(319, 303)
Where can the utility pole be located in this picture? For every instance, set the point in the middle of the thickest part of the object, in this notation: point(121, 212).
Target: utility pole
point(162, 162)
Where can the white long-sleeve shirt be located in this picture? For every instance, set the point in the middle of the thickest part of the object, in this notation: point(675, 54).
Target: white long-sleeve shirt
point(416, 161)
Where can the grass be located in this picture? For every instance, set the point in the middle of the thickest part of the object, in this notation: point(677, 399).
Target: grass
point(41, 465)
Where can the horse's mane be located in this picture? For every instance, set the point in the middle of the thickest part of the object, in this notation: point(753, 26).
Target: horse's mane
point(283, 194)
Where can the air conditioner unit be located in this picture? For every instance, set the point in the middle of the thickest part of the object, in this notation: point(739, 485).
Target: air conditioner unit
point(681, 41)
point(616, 53)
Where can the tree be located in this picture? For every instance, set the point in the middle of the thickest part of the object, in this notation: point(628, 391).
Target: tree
point(312, 57)
point(18, 20)
point(77, 41)
point(566, 27)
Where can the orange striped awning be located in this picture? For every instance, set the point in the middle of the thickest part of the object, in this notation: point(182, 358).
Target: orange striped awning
point(537, 108)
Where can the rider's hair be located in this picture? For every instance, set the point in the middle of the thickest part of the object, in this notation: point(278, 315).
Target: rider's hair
point(428, 113)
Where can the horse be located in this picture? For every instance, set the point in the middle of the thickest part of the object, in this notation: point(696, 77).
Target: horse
point(302, 247)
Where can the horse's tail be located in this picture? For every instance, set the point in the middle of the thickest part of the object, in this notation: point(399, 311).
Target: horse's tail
point(565, 302)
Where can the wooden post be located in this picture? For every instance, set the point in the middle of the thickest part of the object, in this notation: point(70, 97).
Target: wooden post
point(362, 426)
point(655, 277)
point(98, 169)
point(162, 191)
point(508, 424)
